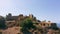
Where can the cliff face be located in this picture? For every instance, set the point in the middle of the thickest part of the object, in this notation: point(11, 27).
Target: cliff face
point(13, 30)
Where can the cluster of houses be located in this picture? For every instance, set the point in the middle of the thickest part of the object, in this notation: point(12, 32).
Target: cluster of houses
point(13, 27)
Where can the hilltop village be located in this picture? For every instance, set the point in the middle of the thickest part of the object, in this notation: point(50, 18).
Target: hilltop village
point(12, 25)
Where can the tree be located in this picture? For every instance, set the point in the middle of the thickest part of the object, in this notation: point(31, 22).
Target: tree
point(2, 23)
point(27, 24)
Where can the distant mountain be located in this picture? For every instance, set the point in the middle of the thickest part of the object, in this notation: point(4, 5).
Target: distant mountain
point(58, 24)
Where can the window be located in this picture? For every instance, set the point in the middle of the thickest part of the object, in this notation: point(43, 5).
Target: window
point(43, 24)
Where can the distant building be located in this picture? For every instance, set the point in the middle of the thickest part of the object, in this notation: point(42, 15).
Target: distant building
point(45, 24)
point(14, 20)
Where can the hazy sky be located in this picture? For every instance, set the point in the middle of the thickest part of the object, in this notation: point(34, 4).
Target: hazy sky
point(42, 9)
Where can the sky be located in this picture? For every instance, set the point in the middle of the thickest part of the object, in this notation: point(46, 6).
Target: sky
point(42, 9)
